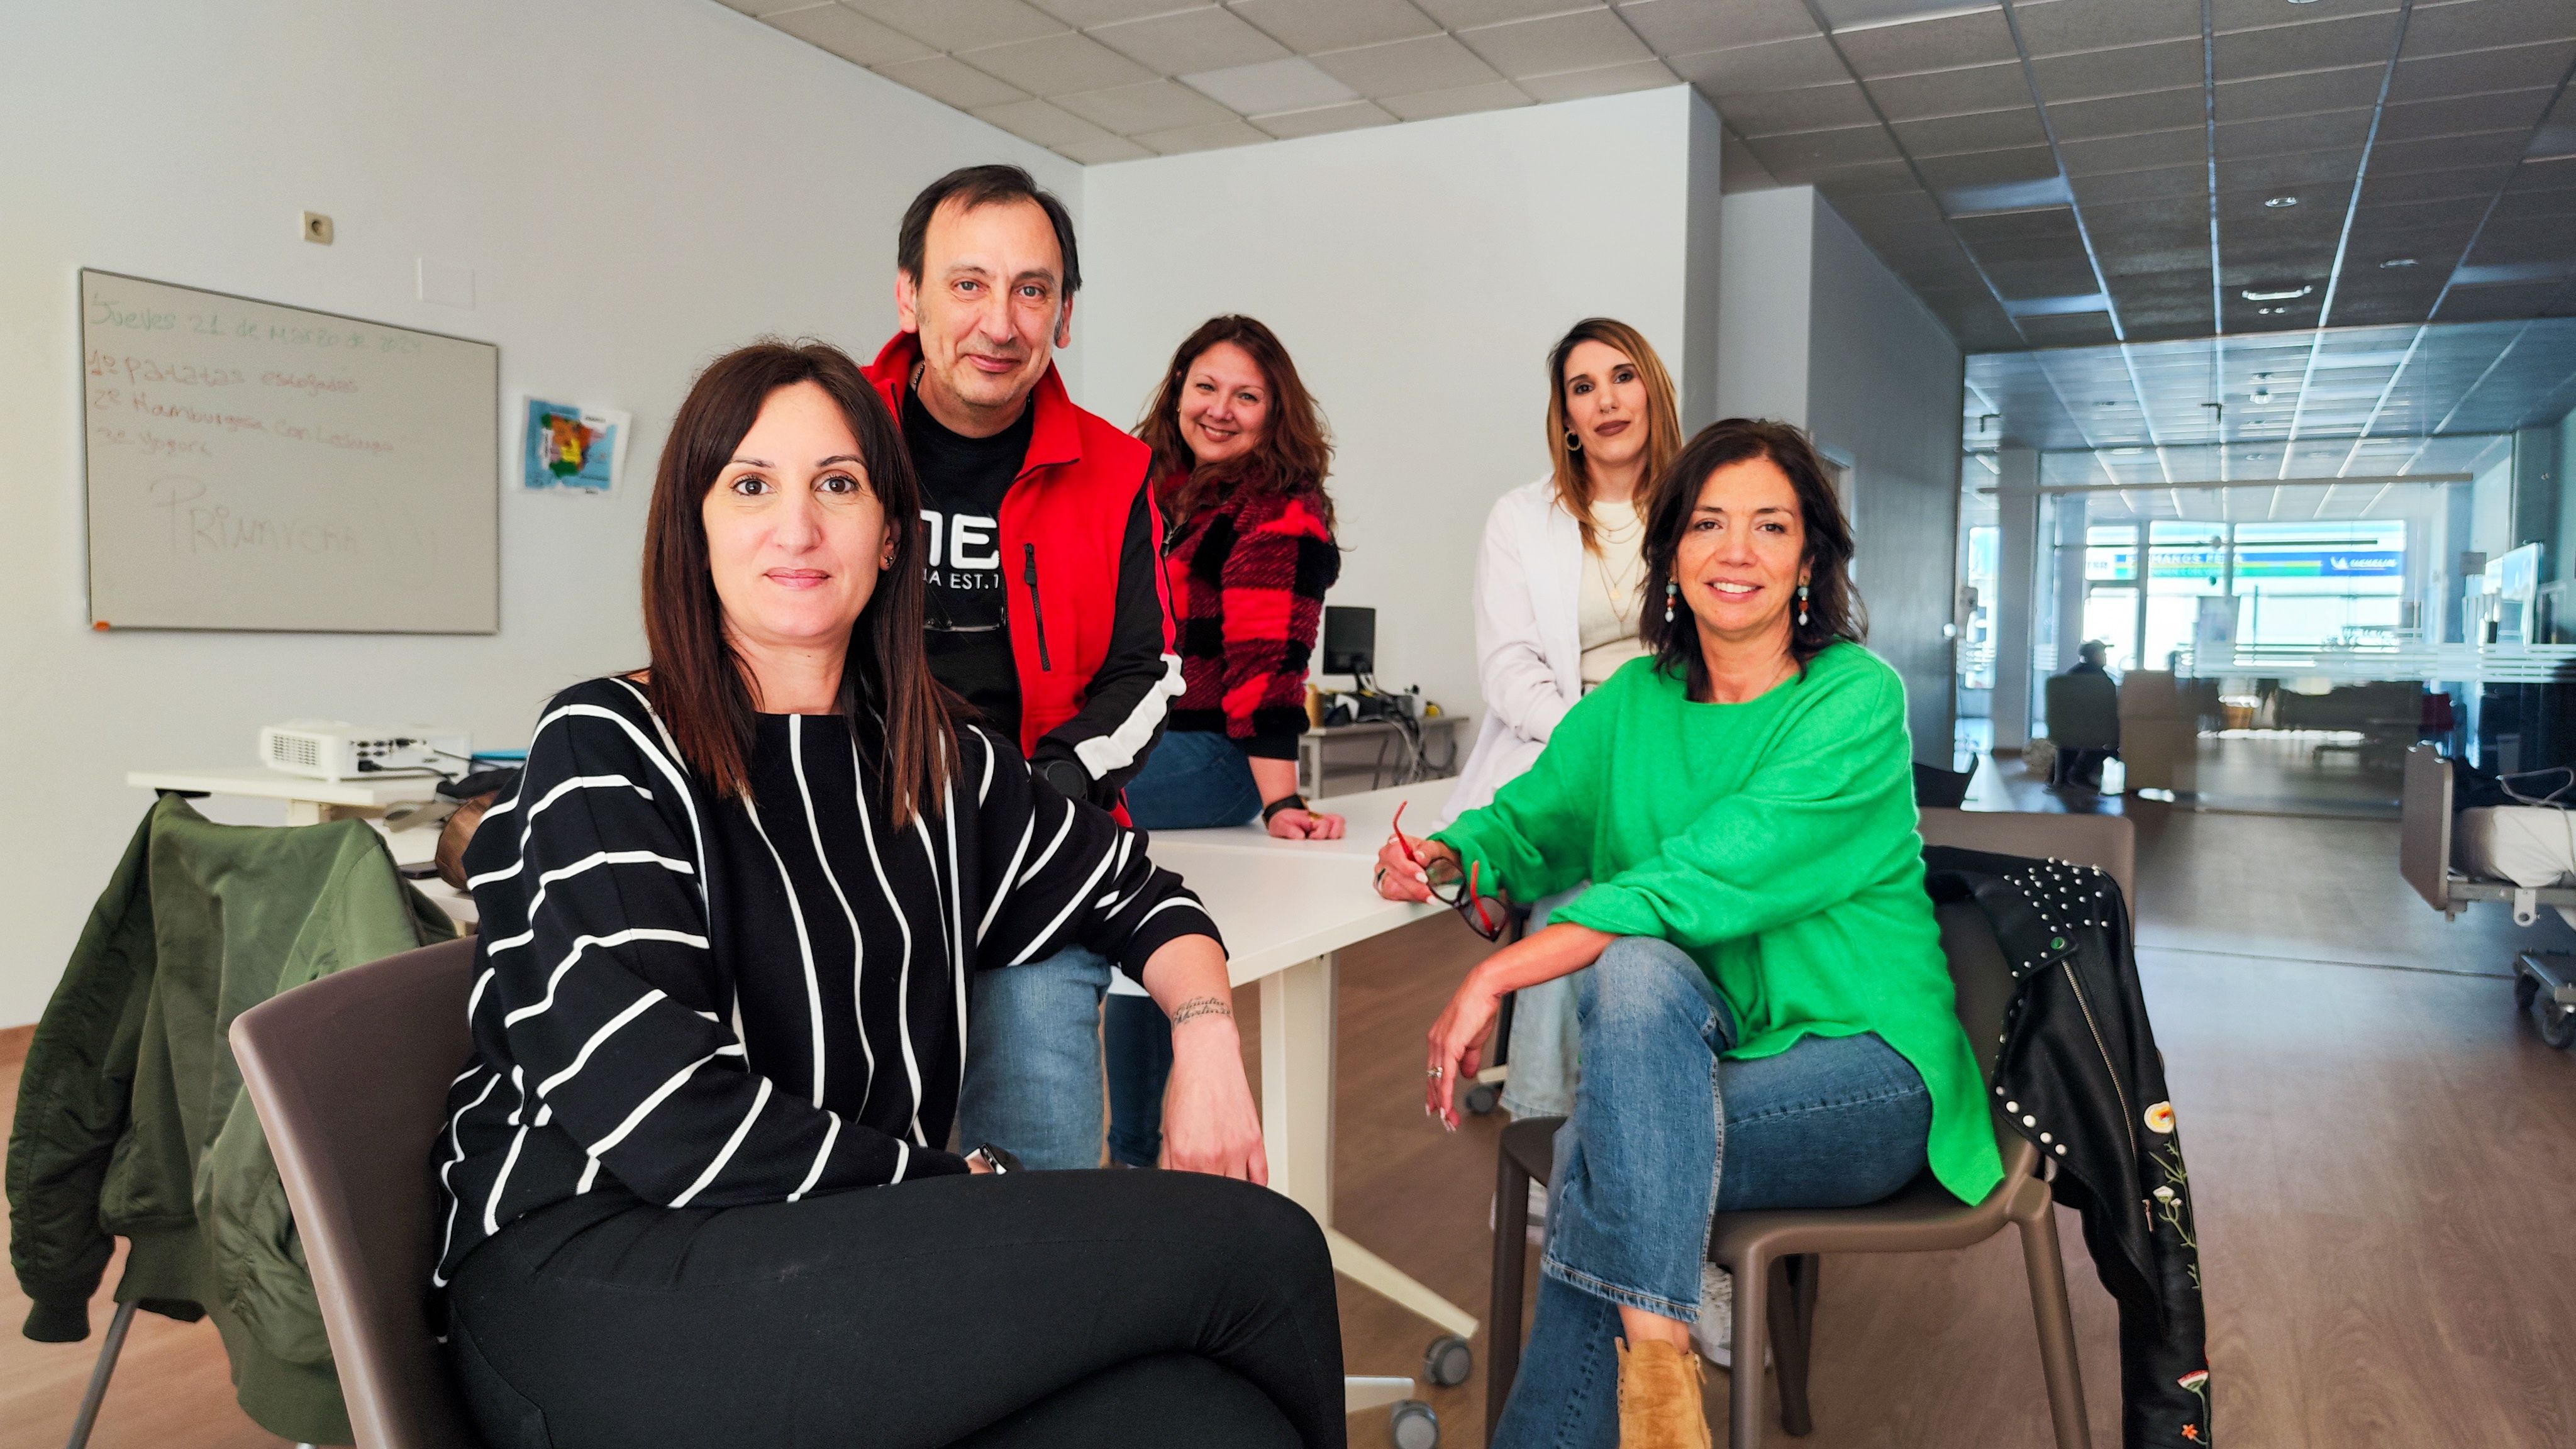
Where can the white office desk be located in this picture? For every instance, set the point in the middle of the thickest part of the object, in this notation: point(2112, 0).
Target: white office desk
point(1285, 907)
point(308, 801)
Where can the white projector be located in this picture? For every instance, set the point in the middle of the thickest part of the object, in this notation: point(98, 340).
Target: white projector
point(334, 749)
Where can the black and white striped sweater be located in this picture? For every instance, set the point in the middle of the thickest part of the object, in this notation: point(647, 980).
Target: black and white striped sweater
point(718, 1002)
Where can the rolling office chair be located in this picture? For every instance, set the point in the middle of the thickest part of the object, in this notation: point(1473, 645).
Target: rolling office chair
point(1775, 1255)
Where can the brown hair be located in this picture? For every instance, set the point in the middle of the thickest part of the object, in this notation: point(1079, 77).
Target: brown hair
point(1294, 454)
point(699, 684)
point(1663, 418)
point(978, 186)
point(1834, 609)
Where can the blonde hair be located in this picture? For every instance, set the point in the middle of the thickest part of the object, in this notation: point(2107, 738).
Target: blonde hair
point(1663, 420)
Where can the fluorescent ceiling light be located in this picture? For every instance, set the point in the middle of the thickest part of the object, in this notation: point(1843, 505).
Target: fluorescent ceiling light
point(2251, 295)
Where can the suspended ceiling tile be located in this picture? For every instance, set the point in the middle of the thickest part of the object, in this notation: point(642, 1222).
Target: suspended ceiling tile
point(2160, 184)
point(1797, 159)
point(2430, 189)
point(1464, 100)
point(951, 82)
point(1156, 105)
point(1192, 40)
point(2315, 177)
point(1101, 153)
point(2448, 153)
point(1807, 108)
point(1769, 66)
point(1989, 168)
point(848, 34)
point(1083, 14)
point(2472, 72)
point(2135, 153)
point(2281, 50)
point(1680, 27)
point(1990, 131)
point(2488, 24)
point(2282, 135)
point(955, 25)
point(1462, 14)
point(1310, 27)
point(1951, 92)
point(2301, 94)
point(1042, 122)
point(1211, 137)
point(1294, 84)
point(1403, 67)
point(1582, 40)
point(2126, 70)
point(2127, 115)
point(1349, 116)
point(1867, 179)
point(2495, 111)
point(2056, 27)
point(1600, 80)
point(1945, 42)
point(1054, 65)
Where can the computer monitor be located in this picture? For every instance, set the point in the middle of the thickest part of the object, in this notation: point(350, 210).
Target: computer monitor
point(1350, 641)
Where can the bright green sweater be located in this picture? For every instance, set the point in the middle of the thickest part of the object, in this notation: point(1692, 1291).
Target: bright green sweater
point(1772, 840)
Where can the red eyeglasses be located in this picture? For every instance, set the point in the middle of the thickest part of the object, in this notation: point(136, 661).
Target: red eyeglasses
point(1483, 914)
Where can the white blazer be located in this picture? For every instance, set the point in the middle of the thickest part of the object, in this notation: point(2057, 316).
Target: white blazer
point(1529, 641)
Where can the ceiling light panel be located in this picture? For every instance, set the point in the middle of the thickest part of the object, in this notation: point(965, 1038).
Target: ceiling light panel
point(1293, 84)
point(1193, 40)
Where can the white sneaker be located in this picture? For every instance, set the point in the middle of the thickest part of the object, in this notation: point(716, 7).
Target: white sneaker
point(1714, 1334)
point(1537, 1231)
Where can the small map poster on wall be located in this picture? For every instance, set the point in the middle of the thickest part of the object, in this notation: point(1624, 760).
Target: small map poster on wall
point(570, 449)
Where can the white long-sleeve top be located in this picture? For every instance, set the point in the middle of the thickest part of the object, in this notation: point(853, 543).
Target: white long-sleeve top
point(1529, 643)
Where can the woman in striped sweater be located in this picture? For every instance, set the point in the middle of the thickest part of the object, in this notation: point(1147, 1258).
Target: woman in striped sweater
point(699, 1183)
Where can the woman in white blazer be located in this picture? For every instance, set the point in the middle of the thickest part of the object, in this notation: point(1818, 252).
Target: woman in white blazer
point(1557, 601)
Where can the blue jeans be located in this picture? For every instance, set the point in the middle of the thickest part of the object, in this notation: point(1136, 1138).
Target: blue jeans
point(1546, 1057)
point(1193, 780)
point(1666, 1132)
point(1033, 1060)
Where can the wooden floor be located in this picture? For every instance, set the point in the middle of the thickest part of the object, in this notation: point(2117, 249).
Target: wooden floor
point(2383, 1160)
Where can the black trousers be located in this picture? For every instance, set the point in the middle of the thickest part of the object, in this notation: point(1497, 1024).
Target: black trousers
point(1048, 1308)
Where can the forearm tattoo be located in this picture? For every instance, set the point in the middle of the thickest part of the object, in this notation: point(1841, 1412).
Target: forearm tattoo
point(1198, 1006)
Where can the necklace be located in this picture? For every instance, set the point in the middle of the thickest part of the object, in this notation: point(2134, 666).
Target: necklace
point(1613, 584)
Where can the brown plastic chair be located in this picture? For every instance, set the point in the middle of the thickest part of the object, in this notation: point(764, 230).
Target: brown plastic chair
point(1774, 1255)
point(349, 1076)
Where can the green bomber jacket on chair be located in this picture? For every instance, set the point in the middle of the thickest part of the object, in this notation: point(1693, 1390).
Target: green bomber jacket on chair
point(131, 1119)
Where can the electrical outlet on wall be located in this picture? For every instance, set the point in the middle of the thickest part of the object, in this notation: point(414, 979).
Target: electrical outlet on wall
point(317, 228)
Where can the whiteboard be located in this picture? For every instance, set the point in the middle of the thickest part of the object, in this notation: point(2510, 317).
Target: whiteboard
point(253, 466)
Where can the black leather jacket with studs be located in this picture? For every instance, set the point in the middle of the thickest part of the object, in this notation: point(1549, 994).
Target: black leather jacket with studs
point(2080, 1076)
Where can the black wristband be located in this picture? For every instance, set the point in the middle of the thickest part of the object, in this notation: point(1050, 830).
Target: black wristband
point(1290, 801)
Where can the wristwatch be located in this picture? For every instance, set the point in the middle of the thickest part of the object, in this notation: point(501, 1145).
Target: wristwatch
point(1067, 776)
point(999, 1161)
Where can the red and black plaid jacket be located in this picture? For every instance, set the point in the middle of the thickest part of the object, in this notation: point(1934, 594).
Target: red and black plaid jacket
point(1247, 576)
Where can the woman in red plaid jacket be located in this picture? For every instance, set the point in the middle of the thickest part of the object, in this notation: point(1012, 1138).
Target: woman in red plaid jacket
point(1239, 462)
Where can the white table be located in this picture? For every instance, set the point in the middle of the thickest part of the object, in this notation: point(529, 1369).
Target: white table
point(308, 801)
point(311, 802)
point(1285, 907)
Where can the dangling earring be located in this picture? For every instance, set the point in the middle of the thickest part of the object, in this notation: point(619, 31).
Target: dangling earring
point(1802, 606)
point(1573, 444)
point(1671, 591)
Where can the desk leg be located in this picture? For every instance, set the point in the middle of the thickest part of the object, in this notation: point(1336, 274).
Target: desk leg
point(314, 812)
point(1297, 1033)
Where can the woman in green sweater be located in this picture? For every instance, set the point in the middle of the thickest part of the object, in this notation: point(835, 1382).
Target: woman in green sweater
point(1769, 1020)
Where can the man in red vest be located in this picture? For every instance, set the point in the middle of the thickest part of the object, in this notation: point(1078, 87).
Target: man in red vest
point(1046, 613)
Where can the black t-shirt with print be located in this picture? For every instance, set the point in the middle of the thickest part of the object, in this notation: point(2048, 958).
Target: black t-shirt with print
point(962, 483)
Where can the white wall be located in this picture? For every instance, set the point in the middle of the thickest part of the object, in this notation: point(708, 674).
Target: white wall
point(1884, 384)
point(1418, 274)
point(1815, 330)
point(1766, 274)
point(636, 184)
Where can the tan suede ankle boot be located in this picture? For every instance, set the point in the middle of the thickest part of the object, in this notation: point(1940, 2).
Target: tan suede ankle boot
point(1659, 1399)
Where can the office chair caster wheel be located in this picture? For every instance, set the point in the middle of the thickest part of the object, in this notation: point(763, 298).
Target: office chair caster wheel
point(1448, 1361)
point(2525, 990)
point(1414, 1425)
point(1483, 1097)
point(2557, 1023)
